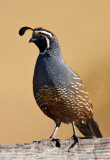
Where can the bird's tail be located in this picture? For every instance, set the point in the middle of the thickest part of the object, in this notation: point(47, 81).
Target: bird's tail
point(91, 128)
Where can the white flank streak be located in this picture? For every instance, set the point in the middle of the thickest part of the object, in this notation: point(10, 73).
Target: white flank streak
point(45, 32)
point(79, 96)
point(72, 83)
point(76, 91)
point(84, 91)
point(80, 84)
point(89, 101)
point(87, 108)
point(91, 110)
point(76, 78)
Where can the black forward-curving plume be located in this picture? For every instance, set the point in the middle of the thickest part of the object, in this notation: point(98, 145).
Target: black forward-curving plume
point(23, 30)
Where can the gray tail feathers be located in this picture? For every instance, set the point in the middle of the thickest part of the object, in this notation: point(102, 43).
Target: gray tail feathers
point(91, 129)
point(94, 128)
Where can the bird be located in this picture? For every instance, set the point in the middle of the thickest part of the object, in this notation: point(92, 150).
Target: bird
point(59, 90)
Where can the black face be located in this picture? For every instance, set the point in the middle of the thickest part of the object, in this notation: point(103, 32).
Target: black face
point(40, 40)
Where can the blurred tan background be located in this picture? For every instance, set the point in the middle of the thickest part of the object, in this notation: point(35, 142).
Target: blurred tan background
point(83, 29)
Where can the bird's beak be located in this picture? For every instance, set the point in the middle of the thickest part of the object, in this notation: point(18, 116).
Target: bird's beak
point(33, 39)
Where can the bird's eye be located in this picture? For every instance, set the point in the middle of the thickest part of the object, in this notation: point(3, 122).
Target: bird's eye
point(41, 36)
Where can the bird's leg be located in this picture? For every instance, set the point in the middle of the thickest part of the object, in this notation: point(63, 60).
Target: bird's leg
point(75, 134)
point(74, 130)
point(75, 137)
point(52, 137)
point(55, 131)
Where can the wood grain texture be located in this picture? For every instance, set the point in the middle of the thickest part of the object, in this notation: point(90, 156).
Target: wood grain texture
point(87, 149)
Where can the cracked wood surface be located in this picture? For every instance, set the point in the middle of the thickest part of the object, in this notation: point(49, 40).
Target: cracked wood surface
point(47, 150)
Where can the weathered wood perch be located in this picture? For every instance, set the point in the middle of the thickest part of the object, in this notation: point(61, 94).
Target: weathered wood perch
point(47, 150)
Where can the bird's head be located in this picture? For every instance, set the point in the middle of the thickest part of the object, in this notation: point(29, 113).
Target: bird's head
point(45, 40)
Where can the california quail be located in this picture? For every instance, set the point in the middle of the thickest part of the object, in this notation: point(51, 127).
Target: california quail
point(58, 90)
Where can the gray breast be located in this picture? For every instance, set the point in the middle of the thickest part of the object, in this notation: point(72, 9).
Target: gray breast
point(49, 71)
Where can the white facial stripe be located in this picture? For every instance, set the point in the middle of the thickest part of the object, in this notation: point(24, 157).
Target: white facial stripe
point(45, 32)
point(48, 45)
point(48, 42)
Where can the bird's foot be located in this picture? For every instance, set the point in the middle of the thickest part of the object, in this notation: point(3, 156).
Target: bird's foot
point(76, 140)
point(57, 142)
point(50, 139)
